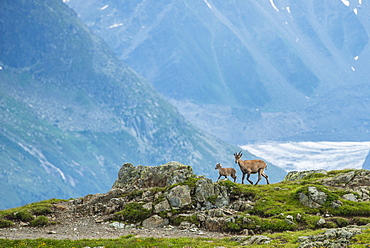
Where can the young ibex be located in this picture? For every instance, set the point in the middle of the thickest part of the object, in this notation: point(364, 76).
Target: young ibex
point(225, 172)
point(251, 167)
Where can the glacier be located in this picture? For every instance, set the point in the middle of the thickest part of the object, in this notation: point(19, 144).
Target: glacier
point(300, 156)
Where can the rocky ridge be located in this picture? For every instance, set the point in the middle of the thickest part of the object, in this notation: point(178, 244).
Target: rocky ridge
point(170, 200)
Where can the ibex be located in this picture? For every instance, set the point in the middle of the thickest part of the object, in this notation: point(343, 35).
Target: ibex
point(251, 167)
point(225, 172)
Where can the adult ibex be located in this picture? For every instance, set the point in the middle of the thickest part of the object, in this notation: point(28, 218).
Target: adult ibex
point(251, 167)
point(225, 172)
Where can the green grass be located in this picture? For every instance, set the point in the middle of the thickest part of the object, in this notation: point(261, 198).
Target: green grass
point(36, 208)
point(361, 239)
point(26, 214)
point(126, 241)
point(275, 201)
point(287, 239)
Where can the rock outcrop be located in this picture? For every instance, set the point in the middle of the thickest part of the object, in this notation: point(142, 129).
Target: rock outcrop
point(171, 194)
point(164, 190)
point(331, 238)
point(172, 197)
point(356, 181)
point(313, 199)
point(130, 176)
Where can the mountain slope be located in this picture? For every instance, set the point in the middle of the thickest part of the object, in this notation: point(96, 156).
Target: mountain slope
point(72, 113)
point(261, 70)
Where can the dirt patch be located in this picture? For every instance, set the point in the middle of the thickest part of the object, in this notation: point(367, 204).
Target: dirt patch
point(70, 225)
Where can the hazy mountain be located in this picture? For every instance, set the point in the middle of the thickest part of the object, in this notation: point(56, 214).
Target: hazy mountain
point(72, 113)
point(249, 70)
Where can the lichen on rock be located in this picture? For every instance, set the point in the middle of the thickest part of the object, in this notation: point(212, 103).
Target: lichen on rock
point(297, 175)
point(313, 199)
point(130, 176)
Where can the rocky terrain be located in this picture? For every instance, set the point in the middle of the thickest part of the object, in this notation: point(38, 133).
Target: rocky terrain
point(171, 201)
point(72, 226)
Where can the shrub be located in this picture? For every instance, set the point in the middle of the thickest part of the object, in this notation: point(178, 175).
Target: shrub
point(232, 227)
point(41, 210)
point(258, 224)
point(6, 223)
point(178, 219)
point(212, 199)
point(40, 221)
point(361, 220)
point(191, 182)
point(133, 213)
point(341, 222)
point(329, 224)
point(24, 216)
point(133, 195)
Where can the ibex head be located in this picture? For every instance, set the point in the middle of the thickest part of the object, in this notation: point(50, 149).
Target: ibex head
point(218, 166)
point(237, 156)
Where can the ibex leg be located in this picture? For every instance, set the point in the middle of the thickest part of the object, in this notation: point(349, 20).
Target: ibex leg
point(266, 177)
point(259, 178)
point(234, 177)
point(249, 180)
point(218, 178)
point(243, 178)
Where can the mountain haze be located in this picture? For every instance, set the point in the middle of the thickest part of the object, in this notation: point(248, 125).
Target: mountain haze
point(249, 70)
point(72, 113)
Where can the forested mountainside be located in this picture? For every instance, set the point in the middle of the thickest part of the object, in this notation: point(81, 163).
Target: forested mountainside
point(72, 113)
point(259, 70)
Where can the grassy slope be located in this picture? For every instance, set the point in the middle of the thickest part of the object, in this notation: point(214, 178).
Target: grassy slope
point(272, 203)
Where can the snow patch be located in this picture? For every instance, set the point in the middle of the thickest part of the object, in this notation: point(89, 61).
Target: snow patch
point(104, 7)
point(209, 6)
point(288, 9)
point(345, 2)
point(300, 156)
point(355, 58)
point(273, 5)
point(66, 1)
point(355, 11)
point(353, 68)
point(116, 25)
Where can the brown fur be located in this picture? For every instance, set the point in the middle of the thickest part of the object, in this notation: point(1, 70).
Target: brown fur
point(251, 167)
point(226, 172)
